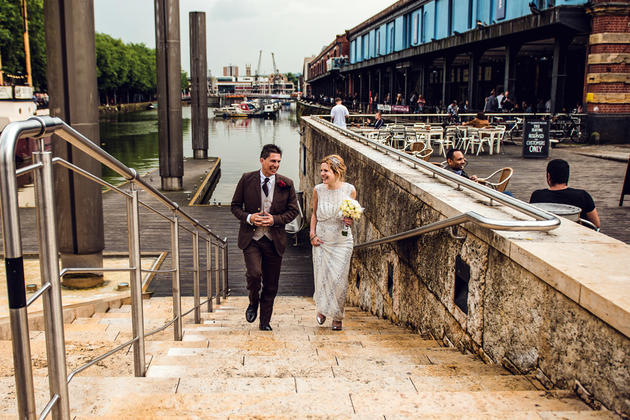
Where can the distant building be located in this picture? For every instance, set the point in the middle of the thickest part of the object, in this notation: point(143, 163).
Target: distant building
point(230, 71)
point(305, 88)
point(324, 68)
point(570, 53)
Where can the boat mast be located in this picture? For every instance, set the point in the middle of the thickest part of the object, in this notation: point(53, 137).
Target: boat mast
point(27, 47)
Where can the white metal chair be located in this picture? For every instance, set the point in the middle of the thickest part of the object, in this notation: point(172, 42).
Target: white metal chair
point(501, 183)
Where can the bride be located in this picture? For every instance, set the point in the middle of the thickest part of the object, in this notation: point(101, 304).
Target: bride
point(331, 249)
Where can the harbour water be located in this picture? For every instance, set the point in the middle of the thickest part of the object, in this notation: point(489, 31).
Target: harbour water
point(133, 139)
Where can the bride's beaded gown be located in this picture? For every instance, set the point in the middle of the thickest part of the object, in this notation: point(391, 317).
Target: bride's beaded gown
point(331, 260)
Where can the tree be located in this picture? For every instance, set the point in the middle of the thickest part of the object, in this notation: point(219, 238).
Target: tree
point(184, 81)
point(293, 78)
point(12, 42)
point(124, 71)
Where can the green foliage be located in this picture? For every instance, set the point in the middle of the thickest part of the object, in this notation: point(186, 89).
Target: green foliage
point(184, 81)
point(293, 78)
point(124, 69)
point(12, 41)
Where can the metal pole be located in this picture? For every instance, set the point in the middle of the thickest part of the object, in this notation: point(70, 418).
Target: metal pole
point(196, 292)
point(224, 250)
point(137, 312)
point(209, 274)
point(177, 298)
point(49, 268)
point(217, 279)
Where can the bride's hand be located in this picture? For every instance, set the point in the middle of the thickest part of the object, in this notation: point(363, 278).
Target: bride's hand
point(315, 241)
point(347, 221)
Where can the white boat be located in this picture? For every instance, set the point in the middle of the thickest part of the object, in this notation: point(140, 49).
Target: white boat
point(16, 104)
point(242, 110)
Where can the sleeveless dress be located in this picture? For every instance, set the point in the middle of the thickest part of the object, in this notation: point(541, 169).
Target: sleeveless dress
point(331, 260)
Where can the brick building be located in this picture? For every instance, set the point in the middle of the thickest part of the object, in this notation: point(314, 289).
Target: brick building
point(562, 54)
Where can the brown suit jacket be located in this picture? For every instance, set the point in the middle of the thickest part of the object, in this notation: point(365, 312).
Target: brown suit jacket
point(246, 201)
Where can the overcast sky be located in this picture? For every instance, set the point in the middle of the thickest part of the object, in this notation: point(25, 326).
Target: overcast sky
point(237, 29)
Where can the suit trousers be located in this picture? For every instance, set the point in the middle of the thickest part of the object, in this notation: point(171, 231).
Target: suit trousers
point(263, 270)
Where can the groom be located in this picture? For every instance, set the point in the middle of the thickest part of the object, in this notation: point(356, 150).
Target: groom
point(264, 202)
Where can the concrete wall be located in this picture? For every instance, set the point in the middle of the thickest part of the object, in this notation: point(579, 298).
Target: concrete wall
point(530, 304)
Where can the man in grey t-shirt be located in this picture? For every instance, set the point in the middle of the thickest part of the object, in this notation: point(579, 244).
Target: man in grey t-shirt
point(338, 114)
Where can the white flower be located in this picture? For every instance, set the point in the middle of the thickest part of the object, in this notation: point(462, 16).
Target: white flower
point(350, 208)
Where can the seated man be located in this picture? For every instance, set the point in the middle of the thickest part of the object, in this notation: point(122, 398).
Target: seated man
point(378, 121)
point(455, 162)
point(480, 121)
point(559, 192)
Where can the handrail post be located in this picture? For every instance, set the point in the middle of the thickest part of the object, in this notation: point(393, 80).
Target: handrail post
point(217, 274)
point(196, 292)
point(137, 310)
point(225, 280)
point(49, 268)
point(177, 298)
point(209, 274)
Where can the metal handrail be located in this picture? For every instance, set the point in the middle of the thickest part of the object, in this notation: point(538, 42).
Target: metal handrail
point(471, 216)
point(545, 220)
point(42, 168)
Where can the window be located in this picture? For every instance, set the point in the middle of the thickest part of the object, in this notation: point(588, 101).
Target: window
point(377, 47)
point(414, 32)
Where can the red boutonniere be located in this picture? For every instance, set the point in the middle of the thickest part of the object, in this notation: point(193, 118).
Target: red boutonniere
point(282, 184)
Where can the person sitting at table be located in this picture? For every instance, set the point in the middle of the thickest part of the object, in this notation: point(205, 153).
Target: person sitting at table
point(480, 121)
point(455, 162)
point(559, 192)
point(378, 120)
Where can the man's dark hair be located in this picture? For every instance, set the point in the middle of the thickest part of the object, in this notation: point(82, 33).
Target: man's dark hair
point(481, 115)
point(558, 170)
point(451, 152)
point(337, 99)
point(269, 149)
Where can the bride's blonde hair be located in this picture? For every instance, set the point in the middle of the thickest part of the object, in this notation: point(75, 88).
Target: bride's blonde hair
point(336, 165)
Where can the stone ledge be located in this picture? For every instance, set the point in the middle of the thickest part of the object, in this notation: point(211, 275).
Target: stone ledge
point(585, 267)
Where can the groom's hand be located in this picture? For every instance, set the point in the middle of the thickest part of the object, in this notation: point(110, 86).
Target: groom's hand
point(266, 219)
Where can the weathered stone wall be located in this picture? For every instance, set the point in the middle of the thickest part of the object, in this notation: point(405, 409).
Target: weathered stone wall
point(515, 317)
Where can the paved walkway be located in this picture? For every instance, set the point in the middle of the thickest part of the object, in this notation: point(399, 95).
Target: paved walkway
point(602, 178)
point(226, 368)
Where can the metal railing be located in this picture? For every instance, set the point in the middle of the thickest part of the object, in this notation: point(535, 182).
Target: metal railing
point(544, 221)
point(50, 292)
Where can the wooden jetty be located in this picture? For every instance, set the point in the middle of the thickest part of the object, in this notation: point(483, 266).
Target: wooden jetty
point(296, 278)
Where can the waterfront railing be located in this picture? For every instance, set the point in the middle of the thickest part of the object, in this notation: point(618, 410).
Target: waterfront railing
point(50, 291)
point(543, 221)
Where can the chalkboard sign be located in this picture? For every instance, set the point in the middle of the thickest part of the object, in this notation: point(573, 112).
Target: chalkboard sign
point(536, 139)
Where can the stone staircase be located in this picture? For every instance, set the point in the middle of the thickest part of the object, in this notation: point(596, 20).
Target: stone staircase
point(227, 368)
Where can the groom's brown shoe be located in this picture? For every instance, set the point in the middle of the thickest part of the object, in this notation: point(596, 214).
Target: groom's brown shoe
point(251, 313)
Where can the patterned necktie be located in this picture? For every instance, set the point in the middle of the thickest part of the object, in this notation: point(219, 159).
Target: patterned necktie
point(265, 188)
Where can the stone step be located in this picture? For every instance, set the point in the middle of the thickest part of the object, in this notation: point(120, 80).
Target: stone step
point(409, 404)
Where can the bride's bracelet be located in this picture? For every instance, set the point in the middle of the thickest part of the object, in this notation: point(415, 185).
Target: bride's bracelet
point(313, 237)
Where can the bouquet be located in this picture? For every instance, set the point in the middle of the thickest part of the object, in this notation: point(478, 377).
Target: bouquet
point(352, 209)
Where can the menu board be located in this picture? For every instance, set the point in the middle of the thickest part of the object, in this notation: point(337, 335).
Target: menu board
point(536, 139)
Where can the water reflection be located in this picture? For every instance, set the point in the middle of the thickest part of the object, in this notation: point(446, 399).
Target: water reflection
point(133, 139)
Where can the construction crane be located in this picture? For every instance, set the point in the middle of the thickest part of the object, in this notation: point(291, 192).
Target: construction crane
point(275, 68)
point(258, 68)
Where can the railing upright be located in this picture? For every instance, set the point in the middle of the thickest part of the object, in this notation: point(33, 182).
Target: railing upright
point(177, 298)
point(224, 261)
point(196, 292)
point(209, 274)
point(49, 268)
point(217, 274)
point(135, 262)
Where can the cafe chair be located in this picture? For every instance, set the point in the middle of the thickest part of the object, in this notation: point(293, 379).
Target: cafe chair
point(588, 224)
point(500, 183)
point(424, 154)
